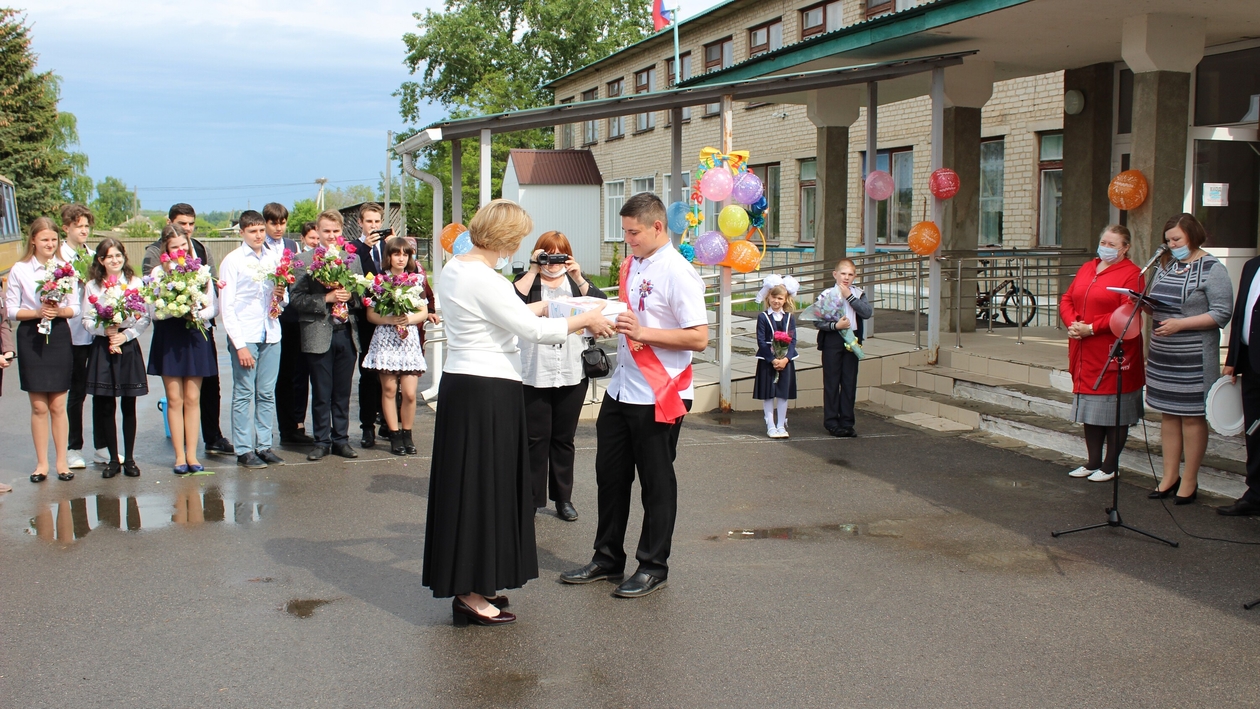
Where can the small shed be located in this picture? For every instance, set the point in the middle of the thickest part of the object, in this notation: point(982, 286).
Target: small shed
point(350, 214)
point(561, 190)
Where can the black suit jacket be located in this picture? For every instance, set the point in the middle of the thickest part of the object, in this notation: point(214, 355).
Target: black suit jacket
point(363, 252)
point(1236, 346)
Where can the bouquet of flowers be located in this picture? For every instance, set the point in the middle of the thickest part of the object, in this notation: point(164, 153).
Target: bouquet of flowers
point(180, 292)
point(390, 295)
point(116, 303)
point(58, 283)
point(780, 343)
point(281, 274)
point(830, 308)
point(330, 267)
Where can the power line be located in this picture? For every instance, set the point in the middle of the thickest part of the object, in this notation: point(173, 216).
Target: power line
point(248, 187)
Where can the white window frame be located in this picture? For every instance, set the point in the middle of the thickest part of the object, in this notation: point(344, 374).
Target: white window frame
point(638, 183)
point(612, 211)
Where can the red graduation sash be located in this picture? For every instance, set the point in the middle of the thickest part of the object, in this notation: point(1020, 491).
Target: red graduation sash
point(665, 389)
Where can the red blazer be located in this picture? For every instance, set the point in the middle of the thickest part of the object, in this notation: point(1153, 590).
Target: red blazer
point(1088, 300)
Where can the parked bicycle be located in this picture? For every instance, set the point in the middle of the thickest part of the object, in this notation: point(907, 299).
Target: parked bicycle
point(1004, 296)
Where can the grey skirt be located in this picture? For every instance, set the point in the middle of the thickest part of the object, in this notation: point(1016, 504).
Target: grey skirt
point(1100, 409)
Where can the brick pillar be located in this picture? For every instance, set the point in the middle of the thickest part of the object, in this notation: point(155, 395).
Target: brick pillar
point(833, 193)
point(960, 227)
point(1087, 157)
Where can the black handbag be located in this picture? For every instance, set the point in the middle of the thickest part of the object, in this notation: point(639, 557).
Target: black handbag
point(595, 361)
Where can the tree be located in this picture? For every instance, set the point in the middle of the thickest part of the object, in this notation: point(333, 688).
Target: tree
point(339, 197)
point(304, 210)
point(113, 202)
point(77, 186)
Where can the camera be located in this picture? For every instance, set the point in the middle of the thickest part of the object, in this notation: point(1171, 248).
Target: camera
point(552, 259)
point(383, 233)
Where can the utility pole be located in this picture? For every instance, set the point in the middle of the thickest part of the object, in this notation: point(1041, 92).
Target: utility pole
point(319, 198)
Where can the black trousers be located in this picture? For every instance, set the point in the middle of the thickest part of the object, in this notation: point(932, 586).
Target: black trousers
point(105, 425)
point(332, 378)
point(369, 382)
point(551, 417)
point(840, 373)
point(210, 431)
point(1251, 412)
point(629, 438)
point(293, 385)
point(74, 401)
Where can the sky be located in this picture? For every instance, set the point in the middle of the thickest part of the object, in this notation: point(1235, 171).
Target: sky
point(232, 103)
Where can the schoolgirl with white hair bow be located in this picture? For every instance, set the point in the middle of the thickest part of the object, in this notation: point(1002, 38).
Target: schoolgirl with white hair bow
point(775, 381)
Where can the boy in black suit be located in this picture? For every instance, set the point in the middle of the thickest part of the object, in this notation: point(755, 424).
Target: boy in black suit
point(293, 384)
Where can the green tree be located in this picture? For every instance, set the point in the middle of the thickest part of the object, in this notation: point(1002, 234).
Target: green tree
point(304, 210)
point(339, 197)
point(113, 202)
point(77, 186)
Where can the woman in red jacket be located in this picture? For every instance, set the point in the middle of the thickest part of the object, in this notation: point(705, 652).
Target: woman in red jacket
point(1086, 309)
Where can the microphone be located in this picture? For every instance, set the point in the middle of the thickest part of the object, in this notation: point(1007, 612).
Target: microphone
point(1155, 257)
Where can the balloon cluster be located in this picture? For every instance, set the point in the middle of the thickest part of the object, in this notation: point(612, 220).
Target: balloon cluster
point(455, 239)
point(720, 177)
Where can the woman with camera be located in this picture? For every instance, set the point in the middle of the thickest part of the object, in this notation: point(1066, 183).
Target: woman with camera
point(555, 387)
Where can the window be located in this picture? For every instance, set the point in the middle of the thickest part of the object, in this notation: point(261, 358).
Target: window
point(1227, 88)
point(835, 15)
point(718, 55)
point(893, 216)
point(590, 130)
point(769, 175)
point(765, 38)
point(813, 21)
point(644, 184)
point(616, 124)
point(992, 170)
point(669, 186)
point(643, 81)
point(807, 183)
point(879, 7)
point(566, 131)
point(685, 72)
point(614, 197)
point(1051, 168)
point(1124, 112)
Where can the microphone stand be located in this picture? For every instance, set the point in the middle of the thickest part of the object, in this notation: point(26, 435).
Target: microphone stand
point(1113, 512)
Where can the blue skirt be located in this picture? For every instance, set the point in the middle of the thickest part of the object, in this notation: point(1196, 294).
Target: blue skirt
point(771, 384)
point(181, 351)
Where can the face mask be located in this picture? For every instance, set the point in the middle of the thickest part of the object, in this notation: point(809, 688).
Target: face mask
point(1180, 253)
point(553, 272)
point(501, 263)
point(1108, 254)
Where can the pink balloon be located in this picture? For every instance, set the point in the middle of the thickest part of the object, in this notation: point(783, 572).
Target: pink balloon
point(710, 248)
point(716, 184)
point(879, 185)
point(1121, 316)
point(747, 188)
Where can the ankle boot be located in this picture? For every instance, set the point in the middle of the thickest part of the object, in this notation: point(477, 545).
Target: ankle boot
point(396, 444)
point(410, 444)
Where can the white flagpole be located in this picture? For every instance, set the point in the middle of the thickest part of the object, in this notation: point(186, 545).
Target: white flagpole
point(677, 64)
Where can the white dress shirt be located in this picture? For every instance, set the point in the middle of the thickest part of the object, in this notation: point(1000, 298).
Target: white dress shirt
point(246, 296)
point(130, 327)
point(22, 293)
point(1252, 295)
point(671, 294)
point(552, 366)
point(78, 334)
point(483, 318)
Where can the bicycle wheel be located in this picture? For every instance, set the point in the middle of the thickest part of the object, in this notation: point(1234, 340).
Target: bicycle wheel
point(985, 307)
point(1014, 300)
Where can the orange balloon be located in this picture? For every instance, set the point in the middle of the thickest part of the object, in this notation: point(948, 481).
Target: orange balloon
point(742, 256)
point(450, 233)
point(1127, 190)
point(924, 238)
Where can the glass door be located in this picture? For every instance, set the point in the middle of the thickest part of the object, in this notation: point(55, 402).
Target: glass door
point(1226, 188)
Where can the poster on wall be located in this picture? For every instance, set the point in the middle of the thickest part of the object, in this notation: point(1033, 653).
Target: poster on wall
point(1215, 194)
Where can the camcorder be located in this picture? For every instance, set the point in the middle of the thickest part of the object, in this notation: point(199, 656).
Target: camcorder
point(552, 259)
point(383, 233)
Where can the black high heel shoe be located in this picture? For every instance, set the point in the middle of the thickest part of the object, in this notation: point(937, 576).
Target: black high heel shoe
point(1179, 500)
point(462, 615)
point(1158, 494)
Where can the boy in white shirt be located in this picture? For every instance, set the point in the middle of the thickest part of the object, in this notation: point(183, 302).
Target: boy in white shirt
point(664, 323)
point(77, 221)
point(254, 336)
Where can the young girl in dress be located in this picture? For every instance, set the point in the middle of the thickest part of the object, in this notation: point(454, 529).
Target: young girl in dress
point(400, 360)
point(182, 356)
point(115, 362)
point(775, 381)
point(45, 359)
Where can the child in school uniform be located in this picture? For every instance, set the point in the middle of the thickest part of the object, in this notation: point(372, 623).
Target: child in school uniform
point(841, 308)
point(775, 381)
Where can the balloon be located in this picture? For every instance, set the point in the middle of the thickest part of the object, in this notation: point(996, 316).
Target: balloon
point(677, 217)
point(688, 252)
point(1121, 316)
point(463, 244)
point(733, 220)
point(747, 188)
point(449, 233)
point(1127, 190)
point(742, 256)
point(944, 183)
point(879, 185)
point(924, 238)
point(710, 248)
point(716, 184)
point(760, 205)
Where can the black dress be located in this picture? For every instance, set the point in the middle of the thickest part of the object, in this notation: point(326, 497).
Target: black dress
point(769, 383)
point(116, 374)
point(181, 351)
point(45, 362)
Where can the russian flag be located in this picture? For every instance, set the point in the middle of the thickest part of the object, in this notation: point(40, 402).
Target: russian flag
point(660, 16)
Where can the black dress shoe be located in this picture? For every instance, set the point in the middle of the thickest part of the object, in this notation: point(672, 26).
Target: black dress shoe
point(1179, 500)
point(66, 476)
point(1158, 494)
point(270, 457)
point(462, 615)
point(844, 433)
point(1240, 508)
point(296, 438)
point(499, 602)
point(130, 469)
point(38, 477)
point(222, 446)
point(344, 450)
point(250, 460)
point(369, 438)
point(410, 444)
point(639, 585)
point(566, 511)
point(317, 453)
point(589, 573)
point(112, 468)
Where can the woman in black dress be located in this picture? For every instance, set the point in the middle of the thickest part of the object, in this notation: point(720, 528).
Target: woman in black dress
point(45, 359)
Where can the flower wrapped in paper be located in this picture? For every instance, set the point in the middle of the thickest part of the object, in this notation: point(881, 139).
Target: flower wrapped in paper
point(180, 290)
point(116, 304)
point(330, 267)
point(390, 296)
point(53, 289)
point(277, 270)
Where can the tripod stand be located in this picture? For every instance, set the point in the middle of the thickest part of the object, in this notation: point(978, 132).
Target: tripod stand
point(1113, 512)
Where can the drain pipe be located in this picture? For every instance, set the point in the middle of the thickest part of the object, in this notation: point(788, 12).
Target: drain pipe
point(438, 344)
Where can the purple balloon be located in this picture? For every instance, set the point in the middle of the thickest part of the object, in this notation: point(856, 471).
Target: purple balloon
point(747, 188)
point(716, 184)
point(879, 185)
point(710, 248)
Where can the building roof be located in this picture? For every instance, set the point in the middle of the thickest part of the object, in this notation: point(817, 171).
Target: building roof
point(555, 167)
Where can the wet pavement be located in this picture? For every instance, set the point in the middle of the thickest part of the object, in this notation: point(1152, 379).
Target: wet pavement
point(904, 568)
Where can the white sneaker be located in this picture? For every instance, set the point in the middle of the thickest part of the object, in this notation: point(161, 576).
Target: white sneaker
point(783, 432)
point(102, 456)
point(1081, 472)
point(75, 460)
point(1101, 477)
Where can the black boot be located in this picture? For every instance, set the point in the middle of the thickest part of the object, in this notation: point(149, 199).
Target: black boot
point(396, 444)
point(411, 446)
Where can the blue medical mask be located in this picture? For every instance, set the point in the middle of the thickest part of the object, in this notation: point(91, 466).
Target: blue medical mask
point(502, 263)
point(1108, 254)
point(1180, 253)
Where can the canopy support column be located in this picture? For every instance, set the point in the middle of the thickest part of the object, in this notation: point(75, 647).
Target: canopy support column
point(724, 306)
point(485, 168)
point(934, 269)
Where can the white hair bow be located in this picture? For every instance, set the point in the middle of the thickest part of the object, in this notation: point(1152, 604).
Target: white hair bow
point(774, 279)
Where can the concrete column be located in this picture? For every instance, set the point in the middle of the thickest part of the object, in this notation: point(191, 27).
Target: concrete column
point(832, 111)
point(967, 89)
point(1087, 156)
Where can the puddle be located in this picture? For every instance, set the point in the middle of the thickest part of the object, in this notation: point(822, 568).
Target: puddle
point(723, 420)
point(70, 520)
point(793, 532)
point(999, 482)
point(304, 607)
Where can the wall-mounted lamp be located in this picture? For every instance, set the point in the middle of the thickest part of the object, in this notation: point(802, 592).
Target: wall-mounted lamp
point(1073, 102)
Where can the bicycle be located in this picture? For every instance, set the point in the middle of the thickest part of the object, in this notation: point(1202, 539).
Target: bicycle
point(1014, 300)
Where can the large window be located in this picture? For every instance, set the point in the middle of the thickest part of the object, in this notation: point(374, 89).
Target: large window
point(643, 82)
point(616, 124)
point(684, 61)
point(644, 184)
point(1227, 88)
point(807, 183)
point(614, 197)
point(766, 38)
point(566, 131)
point(894, 216)
point(769, 175)
point(992, 170)
point(718, 55)
point(1050, 166)
point(590, 129)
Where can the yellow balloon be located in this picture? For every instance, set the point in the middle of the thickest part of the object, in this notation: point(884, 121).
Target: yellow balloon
point(733, 220)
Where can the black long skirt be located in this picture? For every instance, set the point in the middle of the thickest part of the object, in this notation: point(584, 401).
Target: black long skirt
point(479, 536)
point(45, 362)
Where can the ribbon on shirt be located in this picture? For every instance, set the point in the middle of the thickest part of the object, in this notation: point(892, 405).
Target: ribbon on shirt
point(665, 389)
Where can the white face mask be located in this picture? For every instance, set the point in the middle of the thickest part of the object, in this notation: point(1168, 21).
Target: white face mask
point(553, 272)
point(502, 262)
